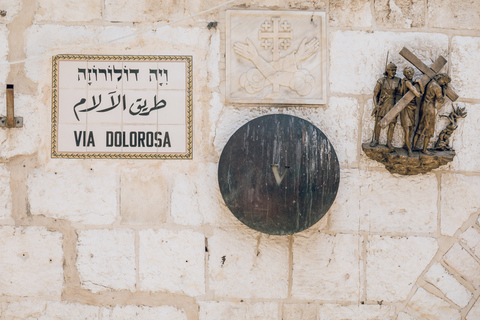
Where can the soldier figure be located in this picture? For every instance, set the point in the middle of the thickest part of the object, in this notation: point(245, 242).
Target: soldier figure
point(407, 115)
point(433, 99)
point(384, 98)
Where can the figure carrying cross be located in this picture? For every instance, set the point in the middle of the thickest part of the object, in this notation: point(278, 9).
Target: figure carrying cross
point(437, 88)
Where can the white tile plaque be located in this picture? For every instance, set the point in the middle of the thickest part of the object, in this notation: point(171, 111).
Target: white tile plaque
point(122, 107)
point(276, 57)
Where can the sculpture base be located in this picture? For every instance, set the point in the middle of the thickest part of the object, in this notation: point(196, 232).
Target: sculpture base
point(398, 161)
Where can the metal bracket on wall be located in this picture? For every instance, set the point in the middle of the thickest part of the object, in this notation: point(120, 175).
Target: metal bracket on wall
point(10, 121)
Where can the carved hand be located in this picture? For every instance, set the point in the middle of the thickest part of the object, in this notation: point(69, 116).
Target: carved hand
point(247, 51)
point(305, 50)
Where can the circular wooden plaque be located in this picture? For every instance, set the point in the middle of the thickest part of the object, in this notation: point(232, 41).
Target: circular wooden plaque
point(278, 174)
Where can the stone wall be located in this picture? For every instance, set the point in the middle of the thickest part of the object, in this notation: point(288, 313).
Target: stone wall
point(151, 239)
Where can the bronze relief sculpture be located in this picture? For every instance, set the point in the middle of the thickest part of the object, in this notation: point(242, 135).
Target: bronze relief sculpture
point(414, 103)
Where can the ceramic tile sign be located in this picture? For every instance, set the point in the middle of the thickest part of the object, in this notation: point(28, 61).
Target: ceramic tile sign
point(276, 57)
point(134, 107)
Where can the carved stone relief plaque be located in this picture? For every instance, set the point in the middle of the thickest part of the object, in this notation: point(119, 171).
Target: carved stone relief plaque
point(276, 57)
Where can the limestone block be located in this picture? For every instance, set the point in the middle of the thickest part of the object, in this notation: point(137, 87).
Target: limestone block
point(172, 261)
point(345, 214)
point(26, 140)
point(463, 14)
point(144, 313)
point(394, 264)
point(355, 312)
point(144, 197)
point(307, 4)
point(326, 267)
point(31, 261)
point(465, 140)
point(363, 54)
point(459, 199)
point(471, 238)
point(220, 310)
point(465, 68)
point(431, 307)
point(5, 193)
point(74, 191)
point(12, 7)
point(463, 263)
point(398, 204)
point(69, 11)
point(405, 316)
point(196, 198)
point(400, 14)
point(474, 313)
point(346, 13)
point(453, 290)
point(337, 121)
point(4, 69)
point(106, 259)
point(50, 310)
point(144, 10)
point(247, 264)
point(299, 311)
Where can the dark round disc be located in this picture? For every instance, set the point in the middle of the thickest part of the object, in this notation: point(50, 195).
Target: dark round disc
point(278, 174)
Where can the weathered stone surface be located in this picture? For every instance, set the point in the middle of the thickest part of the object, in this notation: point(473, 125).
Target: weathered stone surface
point(465, 65)
point(106, 259)
point(355, 312)
point(12, 7)
point(50, 310)
point(382, 210)
point(463, 263)
point(144, 10)
point(218, 310)
point(462, 14)
point(82, 193)
point(471, 238)
point(474, 313)
point(265, 258)
point(345, 13)
point(26, 140)
point(70, 10)
point(459, 199)
point(299, 311)
point(431, 307)
point(338, 122)
point(326, 267)
point(394, 264)
point(4, 69)
point(465, 139)
point(345, 214)
point(398, 161)
point(196, 199)
point(307, 4)
point(405, 316)
point(172, 261)
point(31, 260)
point(366, 54)
point(5, 193)
point(144, 313)
point(440, 278)
point(144, 197)
point(400, 14)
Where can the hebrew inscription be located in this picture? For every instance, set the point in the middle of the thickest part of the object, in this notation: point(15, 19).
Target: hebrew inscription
point(276, 57)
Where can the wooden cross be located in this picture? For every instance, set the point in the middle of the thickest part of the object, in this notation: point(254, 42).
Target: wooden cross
point(429, 73)
point(276, 35)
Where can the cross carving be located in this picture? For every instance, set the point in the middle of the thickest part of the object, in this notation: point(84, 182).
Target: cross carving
point(429, 73)
point(276, 35)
